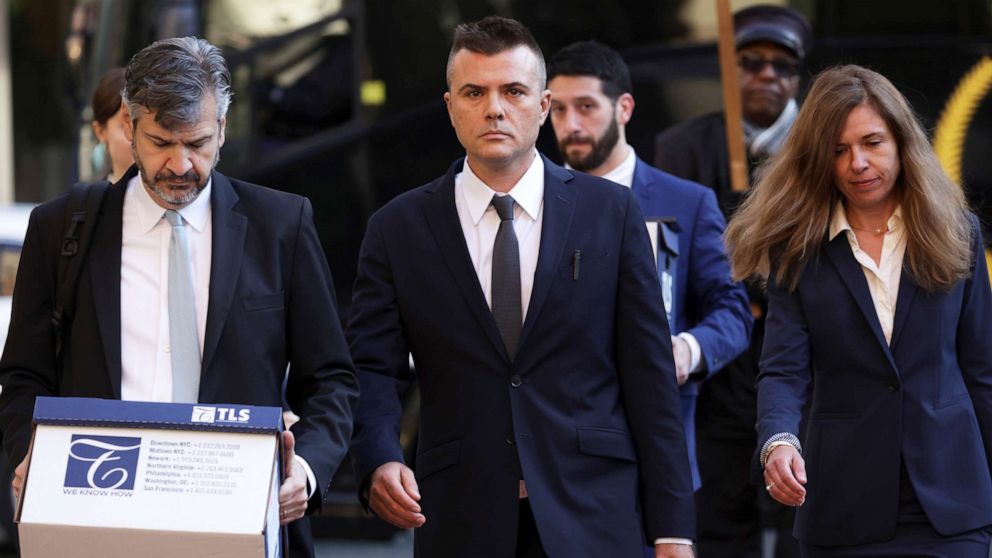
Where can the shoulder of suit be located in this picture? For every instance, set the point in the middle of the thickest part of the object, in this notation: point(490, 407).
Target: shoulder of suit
point(263, 196)
point(674, 184)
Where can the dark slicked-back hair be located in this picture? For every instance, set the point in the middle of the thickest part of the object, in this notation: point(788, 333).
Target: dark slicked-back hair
point(493, 35)
point(592, 59)
point(171, 77)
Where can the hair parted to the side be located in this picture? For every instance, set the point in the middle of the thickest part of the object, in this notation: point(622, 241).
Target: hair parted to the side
point(493, 35)
point(780, 226)
point(171, 77)
point(592, 59)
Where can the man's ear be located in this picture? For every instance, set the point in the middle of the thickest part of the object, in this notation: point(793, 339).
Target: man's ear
point(128, 122)
point(625, 108)
point(222, 131)
point(545, 105)
point(447, 105)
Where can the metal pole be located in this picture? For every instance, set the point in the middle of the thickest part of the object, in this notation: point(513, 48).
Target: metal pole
point(6, 110)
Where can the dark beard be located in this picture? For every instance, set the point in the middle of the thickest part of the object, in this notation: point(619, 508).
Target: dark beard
point(601, 149)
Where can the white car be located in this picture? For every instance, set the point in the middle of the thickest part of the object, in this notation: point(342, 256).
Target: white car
point(13, 225)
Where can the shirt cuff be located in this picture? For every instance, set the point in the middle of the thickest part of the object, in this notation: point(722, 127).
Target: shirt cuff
point(672, 540)
point(695, 352)
point(311, 478)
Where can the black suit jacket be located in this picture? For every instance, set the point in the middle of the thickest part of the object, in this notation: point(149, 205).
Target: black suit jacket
point(588, 413)
point(271, 305)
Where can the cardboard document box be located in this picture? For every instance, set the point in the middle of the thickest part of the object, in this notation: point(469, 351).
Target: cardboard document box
point(118, 479)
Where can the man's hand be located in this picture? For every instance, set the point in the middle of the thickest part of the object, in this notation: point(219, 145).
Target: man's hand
point(17, 483)
point(393, 495)
point(293, 492)
point(683, 357)
point(668, 550)
point(785, 475)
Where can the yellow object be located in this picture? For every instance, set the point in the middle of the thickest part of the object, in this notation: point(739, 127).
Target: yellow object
point(373, 92)
point(952, 127)
point(948, 140)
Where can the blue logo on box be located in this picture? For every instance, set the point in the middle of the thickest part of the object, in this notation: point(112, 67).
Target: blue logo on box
point(102, 462)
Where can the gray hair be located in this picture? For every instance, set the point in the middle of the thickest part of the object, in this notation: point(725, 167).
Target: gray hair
point(171, 77)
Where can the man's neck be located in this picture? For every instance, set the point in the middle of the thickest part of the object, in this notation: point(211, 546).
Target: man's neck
point(501, 178)
point(617, 156)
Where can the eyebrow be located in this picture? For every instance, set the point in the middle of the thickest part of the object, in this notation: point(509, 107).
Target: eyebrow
point(199, 139)
point(516, 84)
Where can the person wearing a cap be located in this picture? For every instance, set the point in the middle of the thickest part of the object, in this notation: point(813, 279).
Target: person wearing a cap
point(771, 42)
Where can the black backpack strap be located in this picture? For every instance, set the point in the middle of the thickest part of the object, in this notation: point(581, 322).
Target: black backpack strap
point(81, 214)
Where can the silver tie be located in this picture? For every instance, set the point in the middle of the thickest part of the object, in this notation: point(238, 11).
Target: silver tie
point(185, 341)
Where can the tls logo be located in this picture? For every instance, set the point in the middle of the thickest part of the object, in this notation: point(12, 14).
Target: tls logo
point(102, 462)
point(219, 414)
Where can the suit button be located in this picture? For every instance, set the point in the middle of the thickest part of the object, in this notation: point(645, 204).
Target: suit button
point(515, 381)
point(509, 440)
point(893, 387)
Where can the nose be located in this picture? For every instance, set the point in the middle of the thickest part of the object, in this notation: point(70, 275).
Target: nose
point(767, 71)
point(179, 162)
point(859, 160)
point(571, 121)
point(494, 109)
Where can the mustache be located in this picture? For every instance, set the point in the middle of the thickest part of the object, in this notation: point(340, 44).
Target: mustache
point(189, 176)
point(576, 140)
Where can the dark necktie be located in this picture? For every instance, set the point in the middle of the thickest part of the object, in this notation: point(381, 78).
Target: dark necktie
point(184, 340)
point(506, 277)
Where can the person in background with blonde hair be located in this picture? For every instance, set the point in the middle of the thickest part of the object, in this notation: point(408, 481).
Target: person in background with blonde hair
point(879, 321)
point(108, 126)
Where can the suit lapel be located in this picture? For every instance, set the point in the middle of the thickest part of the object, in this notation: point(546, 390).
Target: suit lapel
point(442, 219)
point(559, 205)
point(643, 194)
point(229, 229)
point(907, 293)
point(839, 251)
point(105, 274)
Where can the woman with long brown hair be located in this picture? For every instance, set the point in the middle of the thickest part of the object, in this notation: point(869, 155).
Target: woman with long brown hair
point(878, 322)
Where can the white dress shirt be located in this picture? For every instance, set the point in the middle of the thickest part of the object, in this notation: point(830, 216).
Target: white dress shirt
point(623, 174)
point(883, 278)
point(480, 223)
point(146, 363)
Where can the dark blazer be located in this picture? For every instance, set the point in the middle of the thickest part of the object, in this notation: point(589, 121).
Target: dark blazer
point(271, 304)
point(925, 399)
point(707, 303)
point(588, 412)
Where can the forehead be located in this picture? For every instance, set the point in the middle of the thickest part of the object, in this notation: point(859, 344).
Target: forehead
point(515, 65)
point(864, 119)
point(564, 88)
point(767, 49)
point(205, 123)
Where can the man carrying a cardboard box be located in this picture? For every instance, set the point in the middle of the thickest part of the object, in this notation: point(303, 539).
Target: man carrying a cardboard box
point(194, 287)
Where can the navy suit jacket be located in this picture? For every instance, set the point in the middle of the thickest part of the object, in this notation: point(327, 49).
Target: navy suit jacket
point(587, 413)
point(925, 399)
point(707, 302)
point(271, 304)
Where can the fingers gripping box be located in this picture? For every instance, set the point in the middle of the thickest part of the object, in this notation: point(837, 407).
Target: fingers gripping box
point(116, 479)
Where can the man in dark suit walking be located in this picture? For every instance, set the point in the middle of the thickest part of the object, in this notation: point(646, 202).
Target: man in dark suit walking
point(527, 295)
point(198, 287)
point(591, 104)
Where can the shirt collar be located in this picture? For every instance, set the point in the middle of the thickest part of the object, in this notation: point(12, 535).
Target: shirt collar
point(150, 213)
point(623, 173)
point(528, 192)
point(839, 222)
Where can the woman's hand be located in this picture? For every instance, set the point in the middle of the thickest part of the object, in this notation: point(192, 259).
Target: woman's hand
point(785, 476)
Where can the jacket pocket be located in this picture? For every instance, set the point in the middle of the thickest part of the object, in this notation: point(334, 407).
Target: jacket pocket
point(438, 458)
point(606, 442)
point(263, 302)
